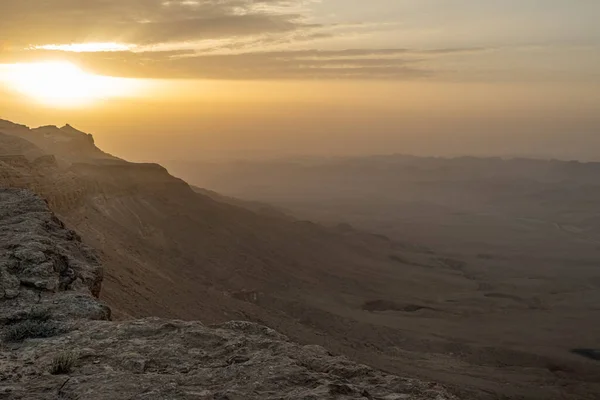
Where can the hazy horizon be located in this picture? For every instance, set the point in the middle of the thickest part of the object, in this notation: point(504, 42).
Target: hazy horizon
point(186, 80)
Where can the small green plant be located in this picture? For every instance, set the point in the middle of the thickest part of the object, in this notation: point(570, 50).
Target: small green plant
point(63, 363)
point(29, 329)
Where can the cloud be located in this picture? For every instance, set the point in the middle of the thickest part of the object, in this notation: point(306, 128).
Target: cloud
point(201, 39)
point(298, 64)
point(142, 22)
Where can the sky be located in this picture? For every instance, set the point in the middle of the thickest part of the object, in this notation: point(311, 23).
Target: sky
point(184, 79)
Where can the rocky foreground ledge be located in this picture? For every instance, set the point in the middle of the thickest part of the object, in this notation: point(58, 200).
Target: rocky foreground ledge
point(58, 341)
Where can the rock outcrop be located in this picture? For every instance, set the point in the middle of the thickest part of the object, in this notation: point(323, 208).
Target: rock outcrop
point(44, 267)
point(68, 144)
point(59, 342)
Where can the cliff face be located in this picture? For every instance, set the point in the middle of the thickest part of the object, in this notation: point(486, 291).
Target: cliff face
point(66, 168)
point(44, 267)
point(58, 341)
point(67, 143)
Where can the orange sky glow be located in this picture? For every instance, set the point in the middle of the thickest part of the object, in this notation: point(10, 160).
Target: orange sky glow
point(237, 79)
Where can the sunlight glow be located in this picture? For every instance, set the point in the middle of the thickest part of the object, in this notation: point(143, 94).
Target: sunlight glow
point(87, 47)
point(64, 84)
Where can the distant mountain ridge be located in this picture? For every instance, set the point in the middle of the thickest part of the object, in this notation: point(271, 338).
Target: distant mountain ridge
point(398, 166)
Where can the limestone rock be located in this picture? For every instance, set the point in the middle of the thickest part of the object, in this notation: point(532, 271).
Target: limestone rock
point(161, 359)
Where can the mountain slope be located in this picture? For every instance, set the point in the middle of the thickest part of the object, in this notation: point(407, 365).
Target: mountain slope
point(171, 252)
point(58, 341)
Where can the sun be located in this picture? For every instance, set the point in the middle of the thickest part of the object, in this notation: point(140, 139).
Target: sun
point(64, 84)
